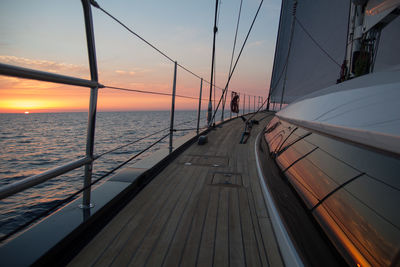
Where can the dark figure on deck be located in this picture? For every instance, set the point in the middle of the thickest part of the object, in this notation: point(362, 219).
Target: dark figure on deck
point(235, 102)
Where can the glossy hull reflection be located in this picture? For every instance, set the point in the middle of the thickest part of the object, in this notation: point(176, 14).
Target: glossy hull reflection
point(352, 192)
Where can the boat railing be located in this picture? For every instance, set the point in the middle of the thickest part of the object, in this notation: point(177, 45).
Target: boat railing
point(94, 85)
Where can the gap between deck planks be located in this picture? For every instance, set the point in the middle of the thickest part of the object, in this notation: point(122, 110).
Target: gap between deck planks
point(182, 219)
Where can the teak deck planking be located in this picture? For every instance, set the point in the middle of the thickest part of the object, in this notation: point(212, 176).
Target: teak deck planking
point(189, 216)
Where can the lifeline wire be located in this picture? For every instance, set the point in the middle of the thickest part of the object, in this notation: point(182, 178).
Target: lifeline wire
point(69, 198)
point(140, 139)
point(72, 196)
point(149, 92)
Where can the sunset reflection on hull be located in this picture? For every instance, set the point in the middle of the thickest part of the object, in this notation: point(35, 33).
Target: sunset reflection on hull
point(350, 191)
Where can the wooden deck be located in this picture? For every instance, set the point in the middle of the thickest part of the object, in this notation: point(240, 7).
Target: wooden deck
point(205, 209)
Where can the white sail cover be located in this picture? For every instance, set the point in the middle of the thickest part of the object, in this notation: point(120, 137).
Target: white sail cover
point(309, 68)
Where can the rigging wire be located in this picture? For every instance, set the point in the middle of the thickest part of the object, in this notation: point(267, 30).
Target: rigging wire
point(272, 89)
point(95, 4)
point(240, 53)
point(236, 32)
point(233, 49)
point(316, 43)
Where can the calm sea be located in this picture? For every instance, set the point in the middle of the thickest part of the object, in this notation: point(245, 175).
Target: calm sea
point(33, 143)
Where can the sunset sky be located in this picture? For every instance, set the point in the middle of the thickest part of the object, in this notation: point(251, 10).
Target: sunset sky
point(49, 35)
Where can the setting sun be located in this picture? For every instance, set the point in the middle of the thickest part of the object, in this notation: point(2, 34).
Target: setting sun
point(26, 112)
point(23, 104)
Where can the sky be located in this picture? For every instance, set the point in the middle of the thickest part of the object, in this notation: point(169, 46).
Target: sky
point(49, 35)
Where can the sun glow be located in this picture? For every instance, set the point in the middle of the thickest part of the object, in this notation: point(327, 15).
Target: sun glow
point(26, 112)
point(24, 104)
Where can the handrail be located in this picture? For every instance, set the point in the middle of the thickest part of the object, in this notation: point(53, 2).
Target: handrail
point(20, 72)
point(26, 183)
point(87, 161)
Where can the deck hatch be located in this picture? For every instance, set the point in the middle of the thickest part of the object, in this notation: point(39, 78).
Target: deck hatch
point(201, 160)
point(227, 179)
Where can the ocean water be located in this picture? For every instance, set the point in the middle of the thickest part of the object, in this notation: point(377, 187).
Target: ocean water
point(33, 143)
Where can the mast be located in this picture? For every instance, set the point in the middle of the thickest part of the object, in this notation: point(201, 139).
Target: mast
point(209, 112)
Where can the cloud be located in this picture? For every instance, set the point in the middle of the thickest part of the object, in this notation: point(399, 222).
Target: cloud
point(45, 65)
point(256, 43)
point(134, 72)
point(123, 72)
point(16, 85)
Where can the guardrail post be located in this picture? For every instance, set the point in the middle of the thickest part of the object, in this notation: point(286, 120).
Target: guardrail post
point(223, 108)
point(249, 108)
point(171, 128)
point(254, 104)
point(237, 114)
point(199, 110)
point(244, 103)
point(230, 110)
point(223, 104)
point(92, 105)
point(262, 102)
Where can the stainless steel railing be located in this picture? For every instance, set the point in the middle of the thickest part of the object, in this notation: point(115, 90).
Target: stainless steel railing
point(94, 85)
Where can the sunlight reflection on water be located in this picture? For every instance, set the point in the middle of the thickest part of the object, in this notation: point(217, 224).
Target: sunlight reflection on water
point(35, 143)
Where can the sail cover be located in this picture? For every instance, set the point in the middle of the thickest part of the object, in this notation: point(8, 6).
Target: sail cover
point(308, 56)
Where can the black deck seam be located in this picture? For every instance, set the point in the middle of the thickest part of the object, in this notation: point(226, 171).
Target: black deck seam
point(245, 170)
point(258, 223)
point(147, 231)
point(125, 225)
point(202, 229)
point(252, 223)
point(229, 238)
point(241, 228)
point(190, 228)
point(154, 219)
point(168, 219)
point(187, 235)
point(216, 226)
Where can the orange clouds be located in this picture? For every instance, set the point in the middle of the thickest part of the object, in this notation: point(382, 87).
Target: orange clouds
point(47, 65)
point(19, 95)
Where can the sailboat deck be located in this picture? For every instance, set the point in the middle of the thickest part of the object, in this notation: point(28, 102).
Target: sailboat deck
point(205, 209)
